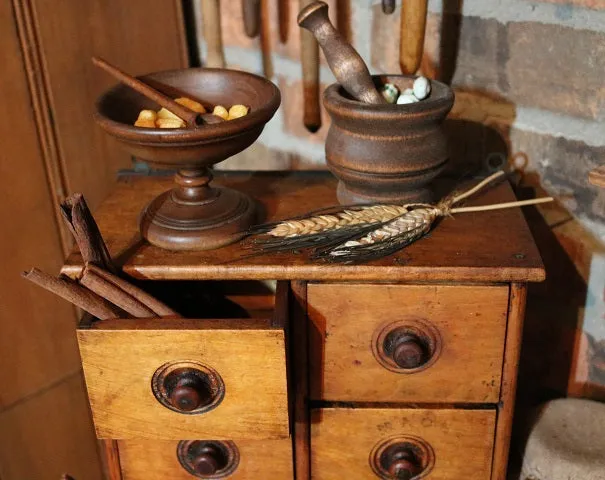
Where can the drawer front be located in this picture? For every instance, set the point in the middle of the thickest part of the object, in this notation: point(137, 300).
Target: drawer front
point(368, 443)
point(246, 459)
point(400, 343)
point(137, 371)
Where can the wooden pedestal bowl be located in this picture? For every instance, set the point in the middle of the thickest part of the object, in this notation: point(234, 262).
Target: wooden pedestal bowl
point(194, 215)
point(387, 152)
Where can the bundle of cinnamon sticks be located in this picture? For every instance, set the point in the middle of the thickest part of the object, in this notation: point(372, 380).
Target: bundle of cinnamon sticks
point(99, 290)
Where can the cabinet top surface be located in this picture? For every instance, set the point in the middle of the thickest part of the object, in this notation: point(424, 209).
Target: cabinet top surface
point(492, 246)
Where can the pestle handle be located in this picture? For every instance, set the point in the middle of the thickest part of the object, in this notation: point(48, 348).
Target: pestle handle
point(347, 65)
point(189, 116)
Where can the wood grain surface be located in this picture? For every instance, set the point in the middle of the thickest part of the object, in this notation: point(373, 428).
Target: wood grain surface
point(514, 337)
point(48, 435)
point(342, 439)
point(494, 246)
point(471, 321)
point(157, 460)
point(119, 358)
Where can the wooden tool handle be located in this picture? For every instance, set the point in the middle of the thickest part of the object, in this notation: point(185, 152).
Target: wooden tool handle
point(265, 38)
point(251, 14)
point(347, 65)
point(310, 75)
point(388, 6)
point(283, 17)
point(211, 19)
point(189, 116)
point(413, 25)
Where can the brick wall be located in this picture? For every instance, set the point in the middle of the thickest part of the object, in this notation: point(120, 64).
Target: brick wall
point(528, 77)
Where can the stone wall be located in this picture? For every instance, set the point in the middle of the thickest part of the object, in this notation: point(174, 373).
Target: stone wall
point(528, 77)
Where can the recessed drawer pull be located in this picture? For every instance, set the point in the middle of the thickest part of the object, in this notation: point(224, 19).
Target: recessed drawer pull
point(406, 346)
point(188, 387)
point(402, 457)
point(208, 458)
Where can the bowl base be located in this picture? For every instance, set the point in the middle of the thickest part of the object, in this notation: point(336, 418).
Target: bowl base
point(349, 197)
point(174, 223)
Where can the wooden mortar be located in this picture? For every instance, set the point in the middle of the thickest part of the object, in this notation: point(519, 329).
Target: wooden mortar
point(388, 152)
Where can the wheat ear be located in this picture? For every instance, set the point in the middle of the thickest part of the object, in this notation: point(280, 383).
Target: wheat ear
point(322, 223)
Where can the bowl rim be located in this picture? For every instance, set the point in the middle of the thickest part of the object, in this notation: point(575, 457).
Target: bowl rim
point(205, 134)
point(335, 102)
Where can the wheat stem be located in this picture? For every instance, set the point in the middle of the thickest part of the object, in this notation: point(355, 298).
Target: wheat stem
point(499, 206)
point(477, 187)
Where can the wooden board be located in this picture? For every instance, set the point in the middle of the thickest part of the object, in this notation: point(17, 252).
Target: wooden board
point(494, 246)
point(145, 37)
point(471, 321)
point(119, 358)
point(48, 435)
point(37, 344)
point(342, 439)
point(157, 460)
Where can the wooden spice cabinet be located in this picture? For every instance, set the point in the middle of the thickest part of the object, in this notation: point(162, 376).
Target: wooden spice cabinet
point(346, 371)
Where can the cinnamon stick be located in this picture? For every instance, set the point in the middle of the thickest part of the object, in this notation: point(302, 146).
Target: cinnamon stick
point(86, 232)
point(115, 295)
point(152, 303)
point(74, 293)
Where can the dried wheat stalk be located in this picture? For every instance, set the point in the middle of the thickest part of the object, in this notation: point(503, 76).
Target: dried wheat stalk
point(321, 223)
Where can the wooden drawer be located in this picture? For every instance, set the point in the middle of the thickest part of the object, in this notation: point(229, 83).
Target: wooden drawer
point(158, 460)
point(448, 444)
point(358, 330)
point(138, 370)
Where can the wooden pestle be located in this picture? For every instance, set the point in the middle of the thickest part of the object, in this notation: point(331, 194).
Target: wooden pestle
point(347, 65)
point(191, 118)
point(413, 25)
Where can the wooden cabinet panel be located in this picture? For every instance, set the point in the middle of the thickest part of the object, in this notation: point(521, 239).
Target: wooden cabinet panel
point(37, 341)
point(48, 435)
point(157, 460)
point(121, 357)
point(140, 36)
point(342, 440)
point(351, 322)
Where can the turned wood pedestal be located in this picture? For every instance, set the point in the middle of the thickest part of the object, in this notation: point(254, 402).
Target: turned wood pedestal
point(401, 368)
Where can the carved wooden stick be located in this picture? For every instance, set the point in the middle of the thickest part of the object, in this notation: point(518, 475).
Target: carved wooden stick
point(251, 14)
point(413, 25)
point(115, 295)
point(388, 6)
point(143, 297)
point(283, 16)
point(310, 76)
point(86, 233)
point(74, 293)
point(265, 38)
point(211, 18)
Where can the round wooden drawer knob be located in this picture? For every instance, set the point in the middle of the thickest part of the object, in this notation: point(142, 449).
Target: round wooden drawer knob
point(188, 387)
point(189, 394)
point(402, 463)
point(409, 351)
point(208, 458)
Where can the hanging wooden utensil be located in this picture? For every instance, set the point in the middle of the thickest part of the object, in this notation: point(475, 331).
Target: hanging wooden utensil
point(413, 25)
point(283, 16)
point(211, 19)
point(265, 38)
point(251, 14)
point(310, 76)
point(388, 6)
